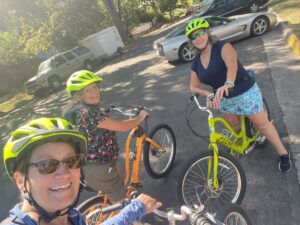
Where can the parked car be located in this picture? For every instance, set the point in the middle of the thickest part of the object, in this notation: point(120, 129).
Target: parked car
point(229, 7)
point(55, 70)
point(175, 46)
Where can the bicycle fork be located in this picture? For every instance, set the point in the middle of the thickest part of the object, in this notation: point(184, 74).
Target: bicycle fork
point(213, 164)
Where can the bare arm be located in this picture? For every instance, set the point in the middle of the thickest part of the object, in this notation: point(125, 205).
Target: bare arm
point(195, 85)
point(122, 125)
point(229, 57)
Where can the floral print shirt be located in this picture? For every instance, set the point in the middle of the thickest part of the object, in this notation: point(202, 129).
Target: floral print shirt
point(102, 143)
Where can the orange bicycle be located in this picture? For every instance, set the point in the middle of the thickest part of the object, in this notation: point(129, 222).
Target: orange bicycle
point(157, 150)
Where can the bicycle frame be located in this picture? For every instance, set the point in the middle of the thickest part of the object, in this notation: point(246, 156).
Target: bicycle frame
point(230, 141)
point(140, 139)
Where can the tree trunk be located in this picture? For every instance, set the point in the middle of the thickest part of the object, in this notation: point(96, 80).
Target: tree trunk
point(112, 11)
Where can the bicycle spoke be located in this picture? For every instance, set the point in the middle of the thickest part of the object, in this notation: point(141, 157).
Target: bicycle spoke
point(198, 189)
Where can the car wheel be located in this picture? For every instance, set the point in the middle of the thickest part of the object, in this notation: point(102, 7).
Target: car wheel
point(253, 7)
point(88, 65)
point(54, 83)
point(39, 93)
point(186, 53)
point(120, 50)
point(259, 26)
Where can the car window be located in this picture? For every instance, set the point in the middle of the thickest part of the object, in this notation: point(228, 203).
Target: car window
point(219, 4)
point(217, 21)
point(80, 50)
point(206, 5)
point(177, 31)
point(45, 66)
point(59, 60)
point(69, 55)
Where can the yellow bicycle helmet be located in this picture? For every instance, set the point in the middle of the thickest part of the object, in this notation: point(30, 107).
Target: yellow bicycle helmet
point(196, 24)
point(80, 79)
point(37, 132)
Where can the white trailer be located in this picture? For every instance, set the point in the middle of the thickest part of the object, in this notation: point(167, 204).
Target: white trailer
point(104, 43)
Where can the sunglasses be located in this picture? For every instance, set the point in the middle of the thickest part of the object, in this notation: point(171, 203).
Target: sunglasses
point(198, 34)
point(49, 166)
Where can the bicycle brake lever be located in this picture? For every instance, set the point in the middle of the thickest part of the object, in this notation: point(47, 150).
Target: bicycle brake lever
point(107, 110)
point(192, 97)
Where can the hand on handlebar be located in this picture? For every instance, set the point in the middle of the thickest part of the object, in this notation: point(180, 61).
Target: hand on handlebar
point(222, 91)
point(150, 203)
point(143, 114)
point(212, 102)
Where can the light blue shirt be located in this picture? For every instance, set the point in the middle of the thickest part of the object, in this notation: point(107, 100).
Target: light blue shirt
point(133, 212)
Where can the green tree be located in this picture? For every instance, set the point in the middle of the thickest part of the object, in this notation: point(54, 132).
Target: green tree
point(10, 46)
point(168, 6)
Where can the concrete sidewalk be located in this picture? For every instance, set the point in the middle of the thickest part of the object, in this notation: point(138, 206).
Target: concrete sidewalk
point(285, 70)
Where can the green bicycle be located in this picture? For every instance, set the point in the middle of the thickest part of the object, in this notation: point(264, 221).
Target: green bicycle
point(216, 177)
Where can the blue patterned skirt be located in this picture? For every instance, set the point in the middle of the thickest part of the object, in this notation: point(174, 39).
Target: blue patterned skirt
point(248, 103)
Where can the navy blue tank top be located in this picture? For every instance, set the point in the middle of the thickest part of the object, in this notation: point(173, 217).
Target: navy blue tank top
point(216, 72)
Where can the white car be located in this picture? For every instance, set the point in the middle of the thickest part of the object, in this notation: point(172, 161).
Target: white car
point(174, 46)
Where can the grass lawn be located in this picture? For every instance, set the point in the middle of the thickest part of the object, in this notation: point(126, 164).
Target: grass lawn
point(13, 102)
point(289, 11)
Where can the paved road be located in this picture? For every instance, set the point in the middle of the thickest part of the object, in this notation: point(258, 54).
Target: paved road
point(140, 77)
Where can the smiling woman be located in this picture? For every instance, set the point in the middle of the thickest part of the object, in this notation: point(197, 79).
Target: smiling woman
point(43, 158)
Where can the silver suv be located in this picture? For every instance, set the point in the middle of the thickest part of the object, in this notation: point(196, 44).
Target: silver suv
point(55, 70)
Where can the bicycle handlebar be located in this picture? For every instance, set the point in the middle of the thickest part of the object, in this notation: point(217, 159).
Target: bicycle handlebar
point(196, 217)
point(203, 108)
point(134, 111)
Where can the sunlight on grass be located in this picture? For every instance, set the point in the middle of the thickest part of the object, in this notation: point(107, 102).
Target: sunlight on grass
point(288, 10)
point(12, 103)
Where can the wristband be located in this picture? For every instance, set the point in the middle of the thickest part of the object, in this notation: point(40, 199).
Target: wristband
point(229, 83)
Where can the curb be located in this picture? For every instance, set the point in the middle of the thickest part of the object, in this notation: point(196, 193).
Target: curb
point(290, 37)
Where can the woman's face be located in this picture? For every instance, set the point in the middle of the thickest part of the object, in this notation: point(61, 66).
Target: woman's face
point(91, 94)
point(57, 190)
point(200, 39)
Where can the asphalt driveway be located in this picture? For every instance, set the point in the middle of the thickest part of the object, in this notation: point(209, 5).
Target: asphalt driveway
point(140, 77)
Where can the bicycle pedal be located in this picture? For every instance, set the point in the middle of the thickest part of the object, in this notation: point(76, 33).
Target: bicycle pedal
point(248, 150)
point(137, 185)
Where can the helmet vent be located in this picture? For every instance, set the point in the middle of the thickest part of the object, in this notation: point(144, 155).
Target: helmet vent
point(18, 136)
point(36, 126)
point(55, 123)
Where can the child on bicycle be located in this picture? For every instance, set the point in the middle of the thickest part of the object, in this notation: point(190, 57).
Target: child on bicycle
point(43, 158)
point(235, 92)
point(100, 170)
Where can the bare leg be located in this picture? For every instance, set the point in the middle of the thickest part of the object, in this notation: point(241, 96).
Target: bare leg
point(234, 121)
point(261, 122)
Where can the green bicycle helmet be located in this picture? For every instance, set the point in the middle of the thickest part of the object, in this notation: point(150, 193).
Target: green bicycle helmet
point(196, 24)
point(37, 132)
point(80, 79)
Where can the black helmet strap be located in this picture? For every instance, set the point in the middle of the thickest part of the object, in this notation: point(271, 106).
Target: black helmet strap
point(44, 215)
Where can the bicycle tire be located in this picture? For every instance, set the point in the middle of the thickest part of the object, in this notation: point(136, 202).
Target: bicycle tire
point(89, 206)
point(154, 160)
point(233, 214)
point(250, 128)
point(194, 188)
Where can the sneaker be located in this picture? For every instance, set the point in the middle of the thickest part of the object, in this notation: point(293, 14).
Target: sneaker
point(285, 163)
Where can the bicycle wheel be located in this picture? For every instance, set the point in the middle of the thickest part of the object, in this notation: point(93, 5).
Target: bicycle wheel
point(195, 188)
point(251, 130)
point(233, 214)
point(90, 205)
point(157, 163)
